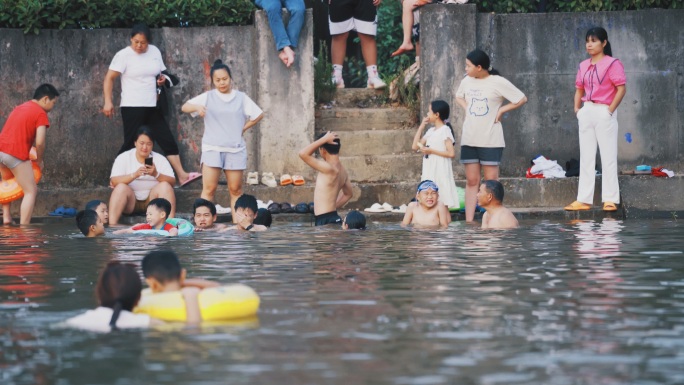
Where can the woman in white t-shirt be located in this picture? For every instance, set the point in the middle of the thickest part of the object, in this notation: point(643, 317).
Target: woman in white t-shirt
point(228, 114)
point(118, 292)
point(481, 94)
point(138, 176)
point(437, 147)
point(140, 66)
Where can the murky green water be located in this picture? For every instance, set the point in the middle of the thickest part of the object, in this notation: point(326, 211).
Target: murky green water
point(550, 303)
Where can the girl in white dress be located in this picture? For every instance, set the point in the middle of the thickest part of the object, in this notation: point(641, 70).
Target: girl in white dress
point(437, 147)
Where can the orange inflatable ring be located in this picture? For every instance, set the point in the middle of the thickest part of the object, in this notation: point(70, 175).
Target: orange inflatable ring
point(10, 190)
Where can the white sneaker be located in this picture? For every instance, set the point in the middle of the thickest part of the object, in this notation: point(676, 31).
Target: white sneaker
point(377, 83)
point(253, 178)
point(222, 210)
point(338, 82)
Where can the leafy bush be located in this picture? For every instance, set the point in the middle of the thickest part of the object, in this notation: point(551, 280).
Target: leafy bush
point(33, 15)
point(324, 89)
point(522, 6)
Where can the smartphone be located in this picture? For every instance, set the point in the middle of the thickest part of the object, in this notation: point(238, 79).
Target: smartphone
point(148, 161)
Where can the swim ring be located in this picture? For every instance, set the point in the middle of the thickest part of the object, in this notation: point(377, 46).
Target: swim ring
point(10, 190)
point(185, 228)
point(216, 304)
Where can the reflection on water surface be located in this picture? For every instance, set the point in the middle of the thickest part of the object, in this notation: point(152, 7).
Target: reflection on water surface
point(550, 303)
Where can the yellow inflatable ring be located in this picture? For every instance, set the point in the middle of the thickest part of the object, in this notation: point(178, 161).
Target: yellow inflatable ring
point(216, 304)
point(10, 190)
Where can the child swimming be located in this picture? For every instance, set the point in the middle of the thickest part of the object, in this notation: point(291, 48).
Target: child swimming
point(157, 212)
point(245, 212)
point(426, 212)
point(100, 208)
point(90, 223)
point(204, 214)
point(354, 221)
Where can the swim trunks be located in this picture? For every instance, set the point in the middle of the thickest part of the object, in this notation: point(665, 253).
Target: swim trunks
point(328, 218)
point(347, 15)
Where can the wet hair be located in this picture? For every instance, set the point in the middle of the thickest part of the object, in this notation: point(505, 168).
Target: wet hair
point(162, 265)
point(94, 204)
point(355, 220)
point(142, 29)
point(219, 65)
point(442, 108)
point(480, 58)
point(331, 148)
point(495, 188)
point(263, 217)
point(161, 204)
point(118, 288)
point(601, 35)
point(246, 201)
point(144, 130)
point(201, 202)
point(85, 219)
point(44, 90)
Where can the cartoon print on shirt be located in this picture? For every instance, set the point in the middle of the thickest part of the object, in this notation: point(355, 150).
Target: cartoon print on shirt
point(479, 107)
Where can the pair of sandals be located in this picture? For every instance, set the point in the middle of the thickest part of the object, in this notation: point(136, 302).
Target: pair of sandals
point(579, 206)
point(64, 212)
point(267, 179)
point(286, 180)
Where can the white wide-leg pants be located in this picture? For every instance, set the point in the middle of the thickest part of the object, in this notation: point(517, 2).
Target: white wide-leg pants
point(598, 127)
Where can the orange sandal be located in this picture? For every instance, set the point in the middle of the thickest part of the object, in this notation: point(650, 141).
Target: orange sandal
point(577, 206)
point(297, 180)
point(609, 206)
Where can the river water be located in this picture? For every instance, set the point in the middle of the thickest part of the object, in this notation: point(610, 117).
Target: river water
point(584, 302)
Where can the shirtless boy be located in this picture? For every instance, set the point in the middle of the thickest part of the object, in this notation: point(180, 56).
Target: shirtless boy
point(333, 188)
point(204, 214)
point(490, 197)
point(426, 212)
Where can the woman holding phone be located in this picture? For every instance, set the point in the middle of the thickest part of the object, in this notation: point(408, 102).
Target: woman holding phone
point(138, 176)
point(141, 68)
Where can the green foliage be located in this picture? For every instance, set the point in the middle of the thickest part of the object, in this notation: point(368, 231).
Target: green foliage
point(522, 6)
point(408, 93)
point(33, 15)
point(324, 89)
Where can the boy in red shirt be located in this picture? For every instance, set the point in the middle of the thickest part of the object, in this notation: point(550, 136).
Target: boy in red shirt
point(26, 124)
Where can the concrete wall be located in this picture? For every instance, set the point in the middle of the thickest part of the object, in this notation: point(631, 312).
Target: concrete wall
point(540, 53)
point(82, 143)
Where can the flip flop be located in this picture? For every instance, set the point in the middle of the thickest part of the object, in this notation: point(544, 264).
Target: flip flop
point(69, 212)
point(58, 212)
point(222, 210)
point(577, 206)
point(193, 176)
point(285, 180)
point(401, 209)
point(298, 180)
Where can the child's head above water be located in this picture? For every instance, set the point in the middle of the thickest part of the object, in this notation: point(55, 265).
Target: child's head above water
point(354, 221)
point(204, 213)
point(162, 270)
point(158, 211)
point(263, 217)
point(427, 194)
point(100, 208)
point(89, 223)
point(118, 288)
point(246, 205)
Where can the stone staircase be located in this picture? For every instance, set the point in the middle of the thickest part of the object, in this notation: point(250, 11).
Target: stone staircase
point(376, 139)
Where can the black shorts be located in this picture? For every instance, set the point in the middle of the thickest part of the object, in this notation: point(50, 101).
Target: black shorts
point(328, 219)
point(486, 156)
point(347, 15)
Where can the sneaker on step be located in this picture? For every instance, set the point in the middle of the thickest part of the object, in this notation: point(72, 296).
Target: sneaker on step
point(377, 83)
point(253, 178)
point(338, 82)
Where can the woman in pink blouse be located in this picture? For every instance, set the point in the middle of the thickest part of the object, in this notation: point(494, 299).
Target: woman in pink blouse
point(600, 85)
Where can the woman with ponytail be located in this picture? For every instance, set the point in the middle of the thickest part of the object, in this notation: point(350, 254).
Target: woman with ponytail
point(228, 114)
point(118, 292)
point(600, 85)
point(482, 94)
point(437, 147)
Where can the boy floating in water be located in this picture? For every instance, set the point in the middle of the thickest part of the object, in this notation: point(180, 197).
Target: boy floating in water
point(490, 197)
point(333, 188)
point(158, 211)
point(426, 212)
point(204, 213)
point(245, 211)
point(100, 208)
point(90, 223)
